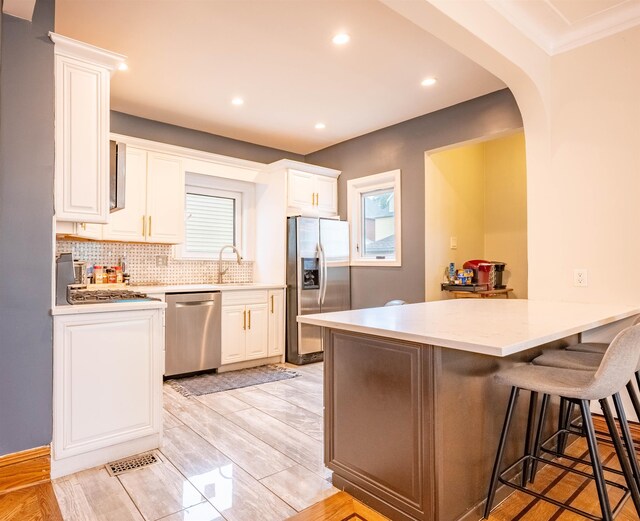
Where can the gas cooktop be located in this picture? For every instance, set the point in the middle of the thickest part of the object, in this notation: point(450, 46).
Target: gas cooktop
point(103, 296)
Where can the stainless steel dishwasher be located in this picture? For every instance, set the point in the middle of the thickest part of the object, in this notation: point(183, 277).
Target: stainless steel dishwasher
point(192, 334)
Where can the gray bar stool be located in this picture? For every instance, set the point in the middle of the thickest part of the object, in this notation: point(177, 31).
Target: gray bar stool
point(596, 347)
point(587, 360)
point(579, 387)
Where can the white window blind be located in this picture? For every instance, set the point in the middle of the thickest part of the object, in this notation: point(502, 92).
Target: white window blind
point(210, 225)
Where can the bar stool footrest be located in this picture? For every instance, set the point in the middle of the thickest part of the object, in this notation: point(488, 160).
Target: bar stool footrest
point(560, 504)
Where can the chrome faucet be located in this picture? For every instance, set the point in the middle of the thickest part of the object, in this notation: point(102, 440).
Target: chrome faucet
point(221, 272)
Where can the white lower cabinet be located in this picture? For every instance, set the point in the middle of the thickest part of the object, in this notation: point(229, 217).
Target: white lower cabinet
point(107, 400)
point(233, 340)
point(256, 334)
point(276, 322)
point(252, 325)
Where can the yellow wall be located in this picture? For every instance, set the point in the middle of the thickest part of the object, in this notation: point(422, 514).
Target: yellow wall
point(454, 206)
point(505, 206)
point(478, 194)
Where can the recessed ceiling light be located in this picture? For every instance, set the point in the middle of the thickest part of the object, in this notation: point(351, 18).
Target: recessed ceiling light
point(428, 82)
point(237, 101)
point(341, 38)
point(123, 66)
point(320, 126)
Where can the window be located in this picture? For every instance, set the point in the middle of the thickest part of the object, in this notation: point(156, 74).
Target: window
point(211, 222)
point(374, 214)
point(217, 213)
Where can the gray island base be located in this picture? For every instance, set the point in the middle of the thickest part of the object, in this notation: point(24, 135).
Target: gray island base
point(411, 427)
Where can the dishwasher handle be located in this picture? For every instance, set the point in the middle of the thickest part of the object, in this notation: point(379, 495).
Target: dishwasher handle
point(195, 303)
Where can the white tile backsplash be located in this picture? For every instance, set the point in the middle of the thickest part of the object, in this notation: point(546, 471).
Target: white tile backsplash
point(142, 266)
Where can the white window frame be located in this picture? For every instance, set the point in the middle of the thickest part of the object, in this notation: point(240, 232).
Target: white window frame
point(244, 195)
point(355, 189)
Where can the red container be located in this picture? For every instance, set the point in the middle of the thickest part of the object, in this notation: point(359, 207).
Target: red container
point(484, 271)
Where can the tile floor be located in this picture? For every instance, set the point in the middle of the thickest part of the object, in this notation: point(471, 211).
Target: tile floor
point(243, 455)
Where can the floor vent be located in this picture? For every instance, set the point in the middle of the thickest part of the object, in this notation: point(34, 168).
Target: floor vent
point(115, 468)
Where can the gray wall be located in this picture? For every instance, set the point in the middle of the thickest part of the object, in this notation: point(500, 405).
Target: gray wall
point(403, 146)
point(164, 133)
point(26, 211)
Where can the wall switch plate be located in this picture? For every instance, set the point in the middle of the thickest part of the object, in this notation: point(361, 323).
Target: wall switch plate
point(580, 278)
point(162, 260)
point(453, 243)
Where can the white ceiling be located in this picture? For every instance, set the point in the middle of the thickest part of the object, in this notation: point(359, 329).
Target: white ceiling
point(188, 59)
point(561, 25)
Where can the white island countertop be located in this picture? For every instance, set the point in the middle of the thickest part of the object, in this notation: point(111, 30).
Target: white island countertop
point(497, 327)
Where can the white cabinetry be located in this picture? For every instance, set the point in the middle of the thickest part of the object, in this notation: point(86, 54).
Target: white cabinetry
point(252, 325)
point(165, 198)
point(82, 76)
point(154, 200)
point(257, 324)
point(107, 400)
point(276, 322)
point(312, 193)
point(84, 230)
point(129, 223)
point(234, 327)
point(287, 188)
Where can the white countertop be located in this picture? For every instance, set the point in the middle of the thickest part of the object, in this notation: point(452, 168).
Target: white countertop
point(106, 307)
point(188, 288)
point(497, 327)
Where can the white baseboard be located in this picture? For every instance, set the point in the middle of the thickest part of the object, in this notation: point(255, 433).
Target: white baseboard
point(66, 466)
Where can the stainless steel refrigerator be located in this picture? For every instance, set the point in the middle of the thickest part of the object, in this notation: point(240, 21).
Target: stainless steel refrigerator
point(318, 280)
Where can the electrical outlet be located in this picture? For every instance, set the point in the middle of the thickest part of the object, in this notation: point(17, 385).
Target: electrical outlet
point(580, 278)
point(162, 260)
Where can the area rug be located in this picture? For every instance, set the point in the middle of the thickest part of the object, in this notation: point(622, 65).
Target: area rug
point(217, 382)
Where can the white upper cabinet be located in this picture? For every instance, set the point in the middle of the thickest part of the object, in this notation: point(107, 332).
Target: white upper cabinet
point(326, 194)
point(154, 200)
point(165, 199)
point(311, 193)
point(301, 189)
point(129, 224)
point(82, 76)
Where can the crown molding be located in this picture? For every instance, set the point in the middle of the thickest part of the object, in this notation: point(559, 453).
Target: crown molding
point(71, 48)
point(601, 26)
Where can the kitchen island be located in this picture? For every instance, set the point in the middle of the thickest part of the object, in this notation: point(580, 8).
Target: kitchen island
point(412, 412)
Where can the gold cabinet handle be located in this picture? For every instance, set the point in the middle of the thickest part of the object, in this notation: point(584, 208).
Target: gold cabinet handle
point(144, 226)
point(317, 199)
point(244, 319)
point(84, 226)
point(272, 305)
point(313, 199)
point(249, 319)
point(149, 226)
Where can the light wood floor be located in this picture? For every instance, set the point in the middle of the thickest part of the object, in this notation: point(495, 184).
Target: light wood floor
point(255, 454)
point(252, 454)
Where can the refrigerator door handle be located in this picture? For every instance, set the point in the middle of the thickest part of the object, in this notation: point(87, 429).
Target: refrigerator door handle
point(320, 274)
point(323, 275)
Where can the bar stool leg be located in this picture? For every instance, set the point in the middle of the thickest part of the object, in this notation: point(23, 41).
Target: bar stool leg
point(528, 448)
point(564, 405)
point(536, 445)
point(631, 450)
point(495, 474)
point(598, 473)
point(634, 398)
point(629, 471)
